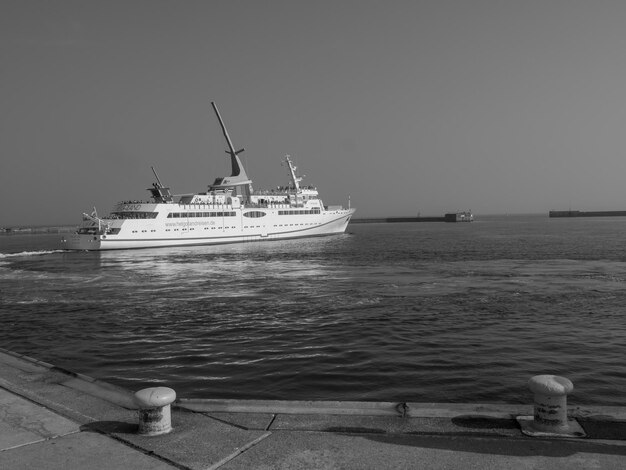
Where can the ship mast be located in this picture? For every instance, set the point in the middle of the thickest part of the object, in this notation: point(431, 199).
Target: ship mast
point(292, 171)
point(238, 178)
point(94, 218)
point(159, 192)
point(237, 167)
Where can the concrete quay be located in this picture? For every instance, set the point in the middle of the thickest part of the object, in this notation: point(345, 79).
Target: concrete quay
point(54, 419)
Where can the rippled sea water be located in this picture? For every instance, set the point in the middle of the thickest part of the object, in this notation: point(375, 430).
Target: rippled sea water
point(398, 311)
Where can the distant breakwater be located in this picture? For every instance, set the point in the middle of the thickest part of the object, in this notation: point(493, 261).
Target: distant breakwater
point(397, 219)
point(25, 230)
point(587, 214)
point(456, 217)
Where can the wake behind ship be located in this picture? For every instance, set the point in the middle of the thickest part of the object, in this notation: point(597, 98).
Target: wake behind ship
point(230, 211)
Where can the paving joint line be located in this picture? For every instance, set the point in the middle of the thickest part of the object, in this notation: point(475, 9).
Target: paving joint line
point(50, 405)
point(138, 448)
point(228, 423)
point(269, 425)
point(238, 452)
point(39, 441)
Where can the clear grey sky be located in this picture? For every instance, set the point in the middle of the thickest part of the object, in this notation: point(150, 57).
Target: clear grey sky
point(405, 106)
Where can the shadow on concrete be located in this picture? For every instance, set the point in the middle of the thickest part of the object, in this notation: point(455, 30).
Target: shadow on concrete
point(521, 447)
point(613, 430)
point(484, 422)
point(111, 427)
point(354, 430)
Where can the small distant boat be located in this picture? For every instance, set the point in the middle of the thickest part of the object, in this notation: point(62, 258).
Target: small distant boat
point(230, 211)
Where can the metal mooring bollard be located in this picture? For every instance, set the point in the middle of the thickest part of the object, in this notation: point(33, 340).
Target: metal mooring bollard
point(154, 410)
point(550, 409)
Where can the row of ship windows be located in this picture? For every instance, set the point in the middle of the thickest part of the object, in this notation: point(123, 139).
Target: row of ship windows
point(252, 214)
point(182, 215)
point(133, 215)
point(219, 228)
point(190, 229)
point(299, 212)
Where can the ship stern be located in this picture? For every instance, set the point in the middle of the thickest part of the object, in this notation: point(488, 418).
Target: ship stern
point(81, 242)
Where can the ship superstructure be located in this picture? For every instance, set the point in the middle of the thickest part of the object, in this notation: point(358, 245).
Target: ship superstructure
point(230, 211)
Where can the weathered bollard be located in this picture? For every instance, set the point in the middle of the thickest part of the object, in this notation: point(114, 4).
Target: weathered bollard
point(154, 410)
point(550, 408)
point(550, 402)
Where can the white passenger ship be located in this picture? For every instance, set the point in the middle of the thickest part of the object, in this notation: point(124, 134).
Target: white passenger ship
point(230, 211)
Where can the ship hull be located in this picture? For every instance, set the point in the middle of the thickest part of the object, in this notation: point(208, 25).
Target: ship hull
point(312, 226)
